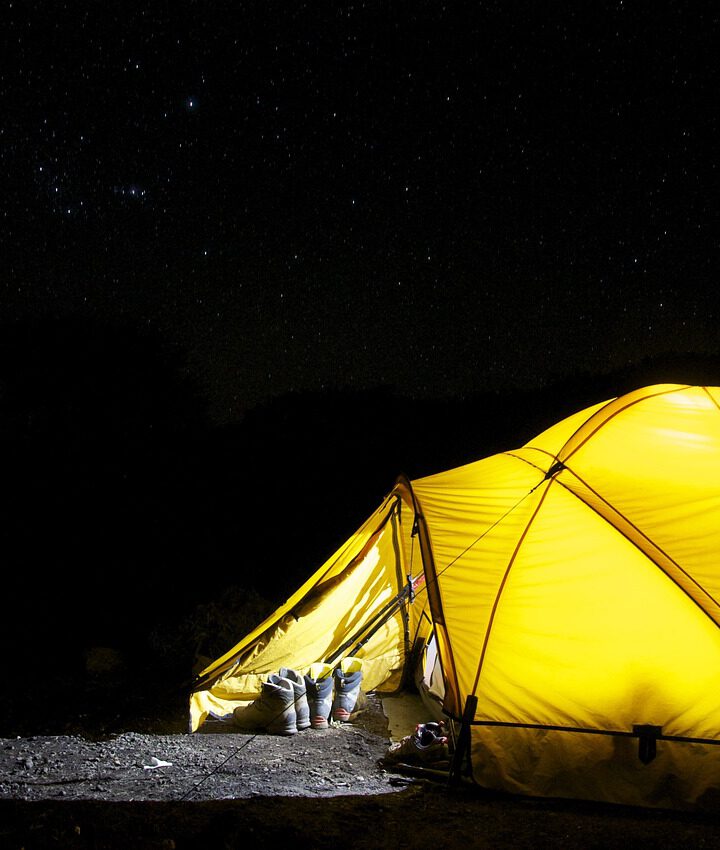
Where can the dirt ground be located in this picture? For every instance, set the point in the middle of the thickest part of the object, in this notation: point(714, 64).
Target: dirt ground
point(223, 789)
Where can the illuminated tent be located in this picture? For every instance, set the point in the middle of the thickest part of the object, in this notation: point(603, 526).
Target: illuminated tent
point(570, 589)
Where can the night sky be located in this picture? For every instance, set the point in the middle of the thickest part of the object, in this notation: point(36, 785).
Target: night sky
point(441, 198)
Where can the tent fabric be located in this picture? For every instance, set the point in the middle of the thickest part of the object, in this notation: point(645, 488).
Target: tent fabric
point(346, 595)
point(571, 592)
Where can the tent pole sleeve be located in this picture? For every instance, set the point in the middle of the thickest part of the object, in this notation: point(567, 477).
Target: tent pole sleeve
point(402, 569)
point(432, 587)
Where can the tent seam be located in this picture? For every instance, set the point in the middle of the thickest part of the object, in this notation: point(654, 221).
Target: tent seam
point(611, 417)
point(640, 548)
point(503, 583)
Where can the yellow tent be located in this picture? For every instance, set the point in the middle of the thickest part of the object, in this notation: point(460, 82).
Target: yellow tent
point(571, 590)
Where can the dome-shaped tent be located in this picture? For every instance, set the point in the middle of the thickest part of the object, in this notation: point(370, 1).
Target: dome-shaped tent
point(572, 589)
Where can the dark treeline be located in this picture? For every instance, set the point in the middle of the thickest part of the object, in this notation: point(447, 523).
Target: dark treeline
point(124, 506)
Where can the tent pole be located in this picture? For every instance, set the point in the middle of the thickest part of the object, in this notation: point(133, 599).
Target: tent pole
point(462, 747)
point(376, 622)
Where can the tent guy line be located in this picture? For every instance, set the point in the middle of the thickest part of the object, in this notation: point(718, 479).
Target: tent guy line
point(217, 767)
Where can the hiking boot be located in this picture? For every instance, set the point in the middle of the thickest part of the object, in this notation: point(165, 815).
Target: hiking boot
point(348, 677)
point(427, 732)
point(413, 750)
point(319, 685)
point(302, 709)
point(273, 710)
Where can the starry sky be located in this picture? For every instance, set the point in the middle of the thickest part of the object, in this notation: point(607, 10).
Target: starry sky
point(443, 198)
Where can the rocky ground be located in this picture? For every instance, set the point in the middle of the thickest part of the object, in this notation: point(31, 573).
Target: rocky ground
point(219, 764)
point(154, 786)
